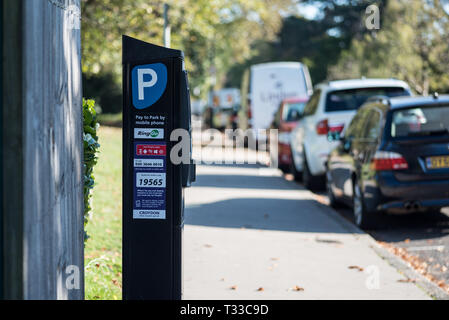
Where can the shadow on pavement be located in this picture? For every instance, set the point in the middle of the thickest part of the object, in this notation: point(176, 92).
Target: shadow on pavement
point(265, 214)
point(238, 181)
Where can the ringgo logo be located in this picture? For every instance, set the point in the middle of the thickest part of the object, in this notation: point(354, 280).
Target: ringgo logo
point(151, 133)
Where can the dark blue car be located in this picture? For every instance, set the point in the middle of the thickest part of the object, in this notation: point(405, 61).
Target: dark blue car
point(393, 158)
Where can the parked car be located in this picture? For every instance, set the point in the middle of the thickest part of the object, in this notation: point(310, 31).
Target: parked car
point(393, 158)
point(289, 112)
point(330, 109)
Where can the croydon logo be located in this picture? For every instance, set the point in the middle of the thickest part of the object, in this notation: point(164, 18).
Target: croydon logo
point(148, 84)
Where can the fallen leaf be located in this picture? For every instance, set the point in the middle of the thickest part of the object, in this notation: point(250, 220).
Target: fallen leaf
point(356, 267)
point(274, 259)
point(297, 288)
point(260, 289)
point(329, 241)
point(208, 246)
point(408, 280)
point(233, 287)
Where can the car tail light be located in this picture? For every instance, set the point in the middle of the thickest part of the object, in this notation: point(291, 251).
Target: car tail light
point(384, 160)
point(322, 127)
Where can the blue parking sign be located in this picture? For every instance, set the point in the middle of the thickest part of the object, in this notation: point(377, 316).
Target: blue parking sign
point(148, 84)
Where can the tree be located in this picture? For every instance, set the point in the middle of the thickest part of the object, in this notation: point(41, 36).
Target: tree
point(214, 34)
point(412, 44)
point(318, 43)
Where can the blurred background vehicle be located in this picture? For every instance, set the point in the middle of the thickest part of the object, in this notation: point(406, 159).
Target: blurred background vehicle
point(198, 107)
point(222, 109)
point(265, 86)
point(330, 109)
point(286, 118)
point(394, 157)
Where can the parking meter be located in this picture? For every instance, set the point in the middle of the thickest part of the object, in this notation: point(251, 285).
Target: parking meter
point(156, 102)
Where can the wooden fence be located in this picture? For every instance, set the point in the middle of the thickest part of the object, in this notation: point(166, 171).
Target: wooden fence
point(42, 161)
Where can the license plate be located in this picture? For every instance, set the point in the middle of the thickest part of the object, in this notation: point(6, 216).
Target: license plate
point(437, 162)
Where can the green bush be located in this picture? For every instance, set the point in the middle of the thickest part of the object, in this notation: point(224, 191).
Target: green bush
point(91, 146)
point(105, 90)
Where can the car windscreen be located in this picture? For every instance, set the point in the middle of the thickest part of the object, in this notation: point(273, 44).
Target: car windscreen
point(420, 121)
point(352, 99)
point(291, 111)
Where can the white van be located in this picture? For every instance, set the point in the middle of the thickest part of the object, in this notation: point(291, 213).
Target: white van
point(271, 83)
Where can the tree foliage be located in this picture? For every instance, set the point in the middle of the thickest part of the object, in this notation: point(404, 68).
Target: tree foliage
point(222, 38)
point(412, 44)
point(318, 43)
point(214, 34)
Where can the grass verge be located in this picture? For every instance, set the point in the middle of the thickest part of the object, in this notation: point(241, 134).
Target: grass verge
point(103, 252)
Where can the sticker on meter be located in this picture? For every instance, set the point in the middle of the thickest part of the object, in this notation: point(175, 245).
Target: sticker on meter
point(150, 180)
point(148, 163)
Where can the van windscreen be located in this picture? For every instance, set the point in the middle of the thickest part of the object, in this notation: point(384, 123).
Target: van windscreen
point(352, 99)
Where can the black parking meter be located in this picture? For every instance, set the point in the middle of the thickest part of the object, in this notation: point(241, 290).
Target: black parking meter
point(156, 101)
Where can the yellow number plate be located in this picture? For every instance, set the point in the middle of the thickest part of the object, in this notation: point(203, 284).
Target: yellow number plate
point(437, 162)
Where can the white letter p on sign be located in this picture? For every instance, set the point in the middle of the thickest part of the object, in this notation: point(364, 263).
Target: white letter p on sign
point(145, 84)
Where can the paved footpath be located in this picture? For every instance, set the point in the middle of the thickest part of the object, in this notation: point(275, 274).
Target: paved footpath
point(250, 234)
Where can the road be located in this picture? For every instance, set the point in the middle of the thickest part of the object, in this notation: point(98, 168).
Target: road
point(251, 234)
point(424, 236)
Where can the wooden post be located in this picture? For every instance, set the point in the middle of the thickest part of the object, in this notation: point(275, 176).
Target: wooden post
point(43, 179)
point(12, 153)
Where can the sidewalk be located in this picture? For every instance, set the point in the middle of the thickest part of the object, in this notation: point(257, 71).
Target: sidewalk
point(250, 234)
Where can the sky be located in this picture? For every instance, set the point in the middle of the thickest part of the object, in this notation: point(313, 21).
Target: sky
point(445, 4)
point(309, 11)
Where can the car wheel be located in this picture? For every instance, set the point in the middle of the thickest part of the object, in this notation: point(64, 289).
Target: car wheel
point(333, 202)
point(311, 182)
point(363, 218)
